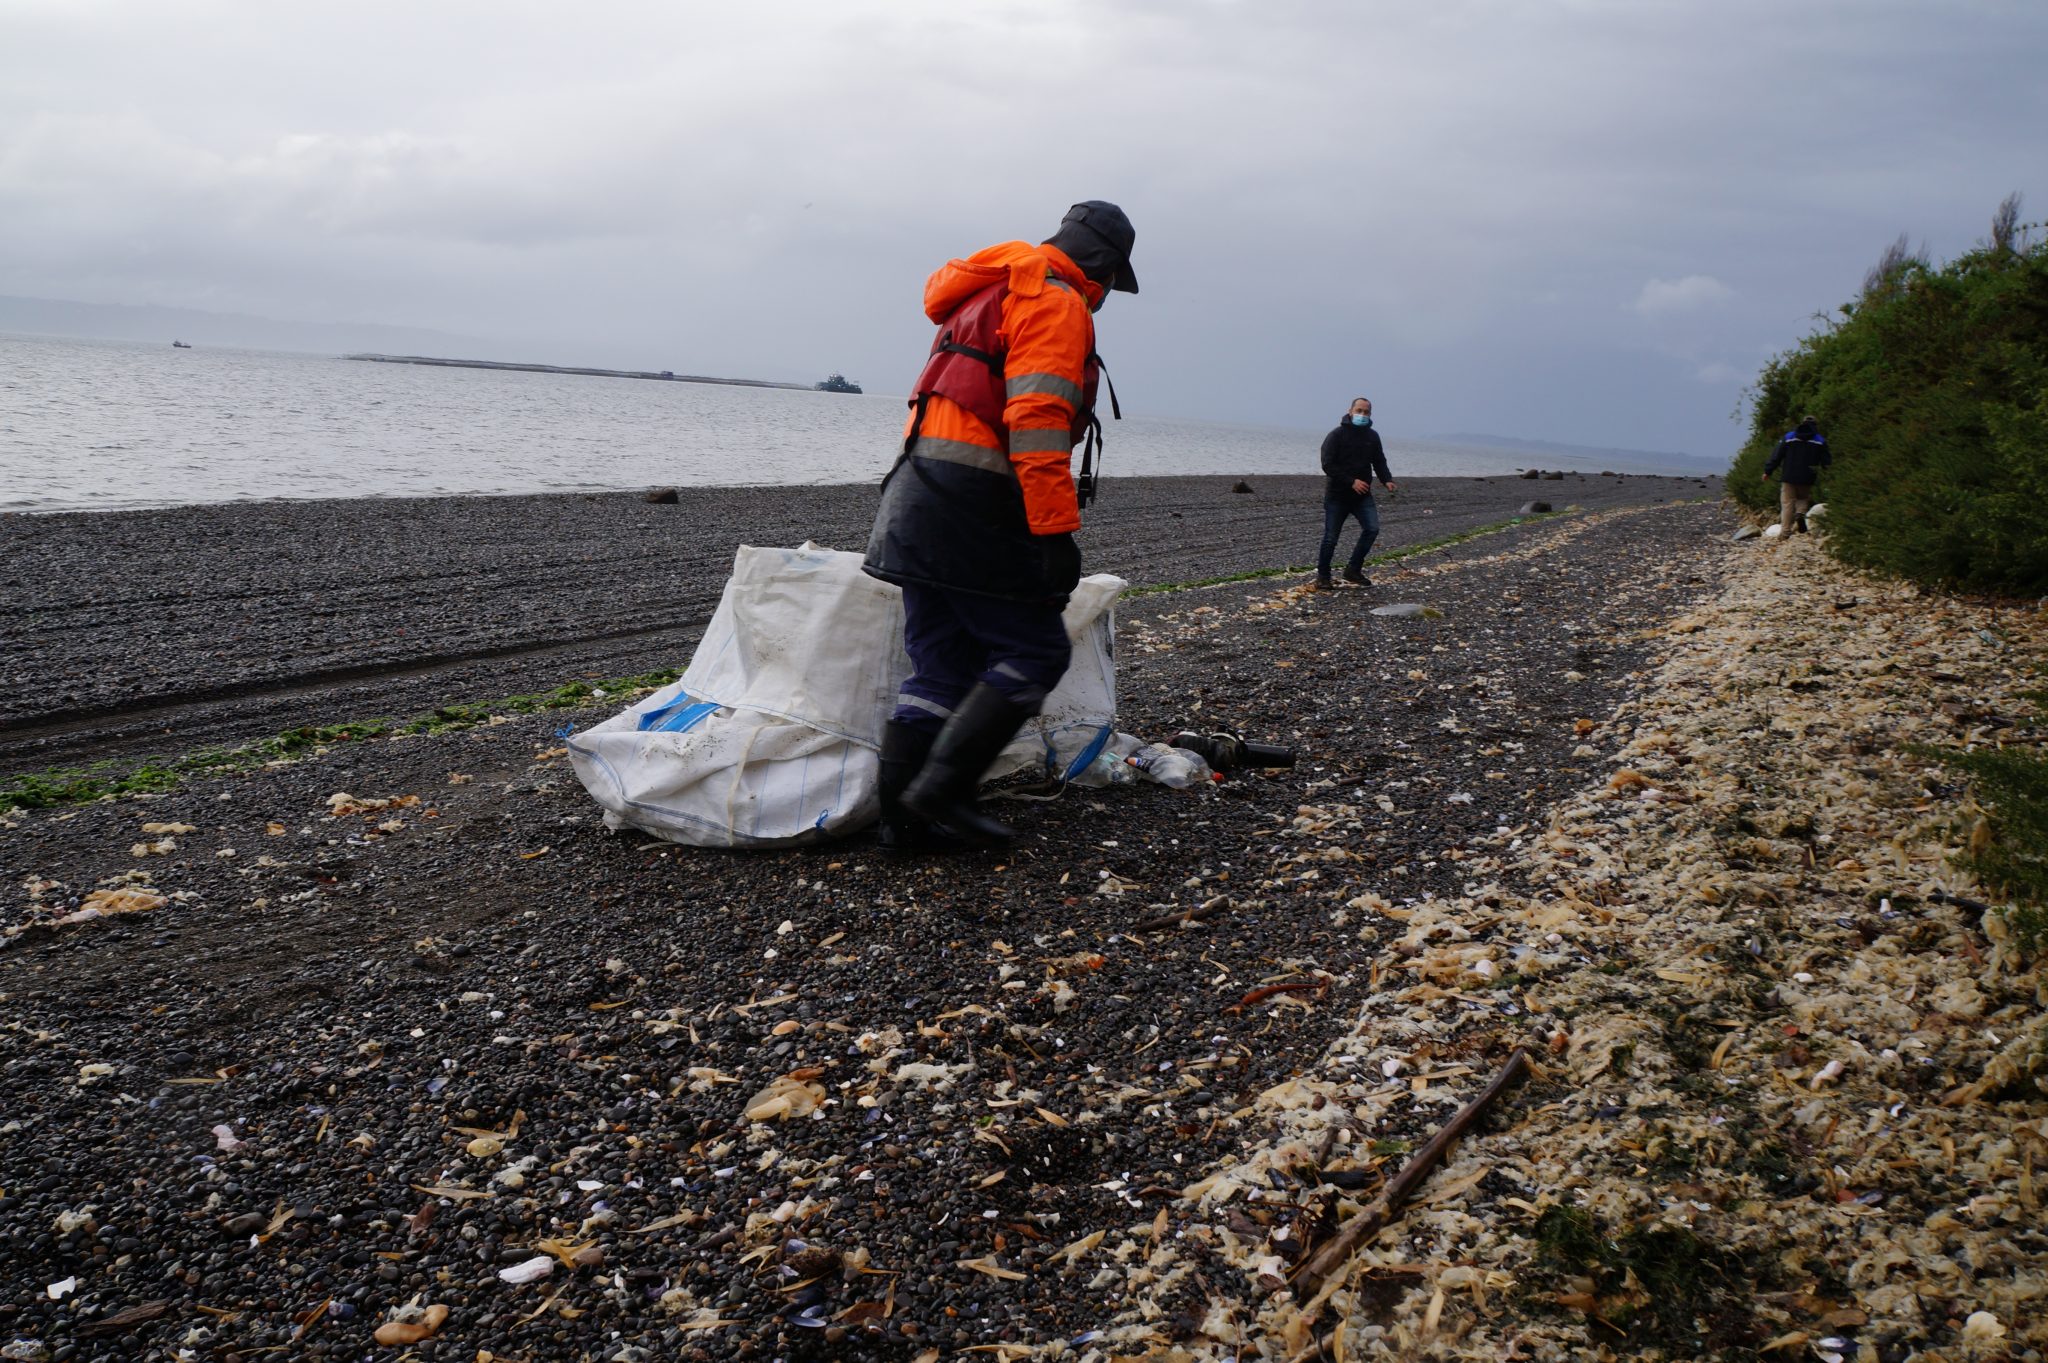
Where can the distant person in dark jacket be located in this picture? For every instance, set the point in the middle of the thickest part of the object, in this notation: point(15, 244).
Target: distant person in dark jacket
point(1352, 458)
point(1802, 454)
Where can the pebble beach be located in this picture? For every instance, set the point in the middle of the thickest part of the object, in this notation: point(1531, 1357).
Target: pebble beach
point(395, 1036)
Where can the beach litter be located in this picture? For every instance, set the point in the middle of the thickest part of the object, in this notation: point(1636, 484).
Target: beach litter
point(528, 1270)
point(108, 903)
point(411, 1325)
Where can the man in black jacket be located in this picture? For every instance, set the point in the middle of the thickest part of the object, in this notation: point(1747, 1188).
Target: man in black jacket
point(1352, 457)
point(1803, 453)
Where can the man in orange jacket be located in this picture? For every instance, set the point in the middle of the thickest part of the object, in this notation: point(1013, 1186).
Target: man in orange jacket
point(978, 517)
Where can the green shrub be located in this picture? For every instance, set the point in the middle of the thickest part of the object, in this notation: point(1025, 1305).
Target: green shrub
point(2013, 783)
point(1932, 388)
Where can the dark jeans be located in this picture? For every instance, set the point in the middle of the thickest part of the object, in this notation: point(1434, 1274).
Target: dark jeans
point(956, 639)
point(1335, 510)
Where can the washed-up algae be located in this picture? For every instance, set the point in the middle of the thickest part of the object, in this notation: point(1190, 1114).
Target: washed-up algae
point(1791, 1103)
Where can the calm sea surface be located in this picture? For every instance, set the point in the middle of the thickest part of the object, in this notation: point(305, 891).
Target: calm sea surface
point(99, 425)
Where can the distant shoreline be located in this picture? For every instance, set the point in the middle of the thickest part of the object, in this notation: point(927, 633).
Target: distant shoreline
point(662, 375)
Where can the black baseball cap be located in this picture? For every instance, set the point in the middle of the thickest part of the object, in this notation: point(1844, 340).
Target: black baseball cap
point(1107, 222)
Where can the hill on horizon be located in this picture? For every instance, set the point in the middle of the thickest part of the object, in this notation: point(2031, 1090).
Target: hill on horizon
point(149, 322)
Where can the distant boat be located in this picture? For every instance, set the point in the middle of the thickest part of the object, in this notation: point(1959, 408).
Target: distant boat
point(181, 345)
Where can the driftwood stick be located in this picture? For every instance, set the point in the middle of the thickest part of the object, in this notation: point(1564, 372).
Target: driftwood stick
point(1975, 906)
point(1359, 1231)
point(1215, 906)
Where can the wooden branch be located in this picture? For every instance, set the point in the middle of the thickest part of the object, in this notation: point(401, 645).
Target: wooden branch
point(1360, 1229)
point(1221, 904)
point(1975, 906)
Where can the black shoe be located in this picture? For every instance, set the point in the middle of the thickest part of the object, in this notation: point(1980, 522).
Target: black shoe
point(1323, 583)
point(904, 749)
point(1357, 578)
point(943, 791)
point(1802, 525)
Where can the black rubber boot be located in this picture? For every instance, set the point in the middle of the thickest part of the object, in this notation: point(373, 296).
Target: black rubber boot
point(1357, 577)
point(904, 749)
point(944, 791)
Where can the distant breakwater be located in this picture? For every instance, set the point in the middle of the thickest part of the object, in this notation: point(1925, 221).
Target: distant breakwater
point(575, 369)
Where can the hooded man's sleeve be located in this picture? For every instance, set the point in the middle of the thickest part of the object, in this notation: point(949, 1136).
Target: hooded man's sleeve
point(1049, 340)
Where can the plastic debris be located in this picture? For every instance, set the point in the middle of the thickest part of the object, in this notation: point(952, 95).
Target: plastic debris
point(395, 1333)
point(528, 1270)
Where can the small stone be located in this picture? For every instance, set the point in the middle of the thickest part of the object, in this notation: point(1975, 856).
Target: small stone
point(661, 496)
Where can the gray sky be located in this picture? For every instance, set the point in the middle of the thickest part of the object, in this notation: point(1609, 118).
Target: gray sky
point(1577, 220)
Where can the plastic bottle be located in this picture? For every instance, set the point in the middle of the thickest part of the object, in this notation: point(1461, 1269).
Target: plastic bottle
point(1106, 770)
point(1175, 767)
point(1113, 770)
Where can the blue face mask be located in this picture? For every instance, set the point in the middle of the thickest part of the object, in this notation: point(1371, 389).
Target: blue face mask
point(1360, 419)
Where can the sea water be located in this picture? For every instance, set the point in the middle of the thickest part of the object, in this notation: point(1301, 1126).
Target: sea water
point(101, 425)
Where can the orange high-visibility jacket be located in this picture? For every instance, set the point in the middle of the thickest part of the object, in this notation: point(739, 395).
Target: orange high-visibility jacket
point(1046, 341)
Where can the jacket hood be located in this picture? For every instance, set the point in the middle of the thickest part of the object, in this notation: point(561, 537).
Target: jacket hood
point(1018, 263)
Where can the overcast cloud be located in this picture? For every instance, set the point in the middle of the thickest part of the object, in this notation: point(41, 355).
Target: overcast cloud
point(1577, 220)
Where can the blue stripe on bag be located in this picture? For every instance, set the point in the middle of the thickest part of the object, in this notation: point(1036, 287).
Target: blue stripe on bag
point(1089, 753)
point(678, 716)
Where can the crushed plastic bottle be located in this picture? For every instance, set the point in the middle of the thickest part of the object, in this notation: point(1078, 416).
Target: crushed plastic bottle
point(1175, 767)
point(1108, 770)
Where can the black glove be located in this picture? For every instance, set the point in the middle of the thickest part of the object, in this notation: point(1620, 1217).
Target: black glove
point(1062, 563)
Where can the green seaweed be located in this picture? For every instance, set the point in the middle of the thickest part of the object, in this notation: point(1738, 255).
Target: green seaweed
point(1391, 556)
point(1664, 1287)
point(58, 787)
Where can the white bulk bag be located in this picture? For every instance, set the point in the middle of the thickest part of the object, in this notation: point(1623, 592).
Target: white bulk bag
point(1079, 715)
point(769, 738)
